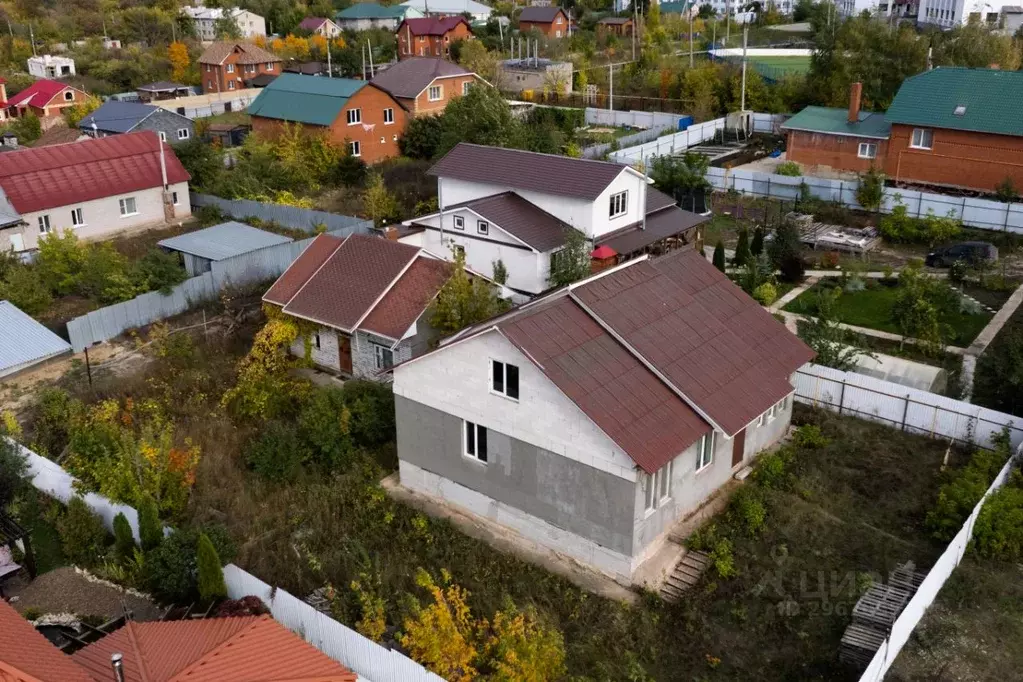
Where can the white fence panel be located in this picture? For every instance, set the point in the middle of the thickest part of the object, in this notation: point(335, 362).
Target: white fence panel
point(635, 119)
point(361, 655)
point(695, 134)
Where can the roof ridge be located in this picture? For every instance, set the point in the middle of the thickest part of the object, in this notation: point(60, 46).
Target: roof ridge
point(546, 154)
point(218, 649)
point(129, 627)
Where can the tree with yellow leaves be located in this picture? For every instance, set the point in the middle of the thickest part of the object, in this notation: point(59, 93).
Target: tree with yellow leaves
point(440, 635)
point(75, 113)
point(296, 47)
point(318, 43)
point(177, 55)
point(259, 41)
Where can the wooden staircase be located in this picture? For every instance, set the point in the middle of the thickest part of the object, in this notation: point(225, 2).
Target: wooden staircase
point(687, 573)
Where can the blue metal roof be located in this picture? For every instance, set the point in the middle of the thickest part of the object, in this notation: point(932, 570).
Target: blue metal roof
point(117, 117)
point(24, 342)
point(223, 241)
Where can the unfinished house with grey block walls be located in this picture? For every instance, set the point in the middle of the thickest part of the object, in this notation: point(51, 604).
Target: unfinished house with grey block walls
point(593, 420)
point(367, 297)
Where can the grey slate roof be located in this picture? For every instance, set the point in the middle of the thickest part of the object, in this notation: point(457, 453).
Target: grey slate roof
point(117, 117)
point(409, 77)
point(532, 171)
point(24, 342)
point(223, 241)
point(520, 218)
point(540, 15)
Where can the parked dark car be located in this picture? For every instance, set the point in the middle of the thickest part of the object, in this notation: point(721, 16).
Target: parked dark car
point(972, 252)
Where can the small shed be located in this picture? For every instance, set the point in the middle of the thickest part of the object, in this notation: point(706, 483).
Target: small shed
point(202, 248)
point(24, 342)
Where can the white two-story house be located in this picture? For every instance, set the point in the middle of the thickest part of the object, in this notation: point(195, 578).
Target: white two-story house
point(517, 207)
point(591, 420)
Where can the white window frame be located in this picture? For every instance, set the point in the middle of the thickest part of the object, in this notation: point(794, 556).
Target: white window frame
point(356, 148)
point(440, 93)
point(465, 87)
point(476, 430)
point(162, 135)
point(44, 224)
point(174, 198)
point(230, 68)
point(867, 150)
point(502, 367)
point(207, 68)
point(772, 412)
point(705, 451)
point(388, 116)
point(380, 356)
point(123, 206)
point(69, 96)
point(619, 204)
point(183, 134)
point(230, 85)
point(658, 487)
point(459, 223)
point(483, 227)
point(354, 116)
point(77, 217)
point(923, 133)
point(269, 66)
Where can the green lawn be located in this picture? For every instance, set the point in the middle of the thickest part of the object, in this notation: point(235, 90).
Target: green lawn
point(872, 308)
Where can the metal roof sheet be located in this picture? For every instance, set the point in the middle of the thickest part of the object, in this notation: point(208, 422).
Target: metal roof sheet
point(24, 342)
point(223, 241)
point(8, 215)
point(665, 222)
point(216, 53)
point(117, 117)
point(832, 121)
point(371, 10)
point(304, 99)
point(411, 76)
point(992, 99)
point(522, 219)
point(540, 15)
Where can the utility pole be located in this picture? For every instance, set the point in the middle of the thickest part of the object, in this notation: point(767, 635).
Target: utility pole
point(635, 26)
point(610, 87)
point(745, 34)
point(690, 37)
point(330, 71)
point(32, 37)
point(728, 21)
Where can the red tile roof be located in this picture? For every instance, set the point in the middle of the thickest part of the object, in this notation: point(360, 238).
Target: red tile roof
point(432, 26)
point(39, 93)
point(27, 656)
point(373, 284)
point(243, 649)
point(49, 177)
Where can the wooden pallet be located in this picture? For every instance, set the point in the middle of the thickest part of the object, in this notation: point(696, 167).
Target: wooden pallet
point(860, 643)
point(880, 606)
point(686, 574)
point(906, 578)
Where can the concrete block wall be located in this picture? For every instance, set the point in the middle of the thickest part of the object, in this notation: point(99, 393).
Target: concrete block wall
point(364, 356)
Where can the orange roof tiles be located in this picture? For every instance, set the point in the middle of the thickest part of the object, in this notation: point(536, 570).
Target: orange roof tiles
point(27, 656)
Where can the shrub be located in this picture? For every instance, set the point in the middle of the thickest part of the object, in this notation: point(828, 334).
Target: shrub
point(324, 425)
point(150, 528)
point(124, 542)
point(25, 288)
point(13, 471)
point(742, 250)
point(960, 495)
point(772, 469)
point(210, 570)
point(792, 269)
point(277, 453)
point(159, 271)
point(998, 533)
point(721, 557)
point(246, 606)
point(372, 406)
point(747, 511)
point(810, 436)
point(900, 227)
point(757, 247)
point(172, 569)
point(765, 294)
point(957, 271)
point(82, 534)
point(703, 538)
point(719, 255)
point(789, 168)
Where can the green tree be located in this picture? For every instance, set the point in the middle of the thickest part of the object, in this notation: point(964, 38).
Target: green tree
point(743, 254)
point(378, 202)
point(757, 247)
point(870, 193)
point(683, 178)
point(719, 256)
point(203, 161)
point(211, 572)
point(422, 137)
point(124, 543)
point(464, 300)
point(150, 528)
point(226, 28)
point(998, 382)
point(572, 262)
point(785, 252)
point(824, 334)
point(82, 534)
point(25, 287)
point(500, 272)
point(483, 116)
point(13, 472)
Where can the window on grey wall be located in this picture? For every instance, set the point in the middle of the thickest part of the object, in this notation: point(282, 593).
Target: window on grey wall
point(505, 379)
point(705, 451)
point(658, 486)
point(475, 441)
point(384, 357)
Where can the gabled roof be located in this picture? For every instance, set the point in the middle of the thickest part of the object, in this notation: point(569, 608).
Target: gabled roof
point(49, 177)
point(363, 282)
point(39, 93)
point(520, 218)
point(451, 7)
point(222, 241)
point(615, 20)
point(241, 649)
point(661, 222)
point(832, 121)
point(540, 15)
point(371, 10)
point(305, 99)
point(411, 76)
point(978, 100)
point(58, 134)
point(161, 86)
point(432, 26)
point(25, 342)
point(250, 54)
point(531, 171)
point(312, 23)
point(118, 117)
point(27, 656)
point(656, 352)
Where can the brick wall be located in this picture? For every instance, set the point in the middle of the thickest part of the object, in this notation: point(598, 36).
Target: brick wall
point(411, 45)
point(216, 78)
point(839, 152)
point(450, 88)
point(957, 158)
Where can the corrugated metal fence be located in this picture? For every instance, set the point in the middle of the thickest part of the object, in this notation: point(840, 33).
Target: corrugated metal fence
point(695, 134)
point(984, 213)
point(288, 216)
point(655, 124)
point(247, 269)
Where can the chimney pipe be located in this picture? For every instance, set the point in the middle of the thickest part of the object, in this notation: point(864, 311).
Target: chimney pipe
point(855, 95)
point(115, 663)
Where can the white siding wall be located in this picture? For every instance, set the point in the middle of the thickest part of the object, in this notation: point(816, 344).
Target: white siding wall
point(601, 223)
point(103, 216)
point(457, 381)
point(576, 212)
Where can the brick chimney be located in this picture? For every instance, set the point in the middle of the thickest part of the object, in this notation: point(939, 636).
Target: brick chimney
point(391, 233)
point(855, 95)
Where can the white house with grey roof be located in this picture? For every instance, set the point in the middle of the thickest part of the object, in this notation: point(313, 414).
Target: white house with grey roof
point(517, 207)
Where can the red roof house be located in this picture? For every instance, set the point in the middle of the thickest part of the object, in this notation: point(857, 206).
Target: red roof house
point(430, 36)
point(368, 295)
point(598, 416)
point(27, 656)
point(95, 187)
point(44, 98)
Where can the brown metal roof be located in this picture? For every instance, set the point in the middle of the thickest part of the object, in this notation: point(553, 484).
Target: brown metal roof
point(303, 267)
point(411, 76)
point(408, 298)
point(608, 383)
point(26, 655)
point(708, 338)
point(351, 281)
point(540, 15)
point(241, 649)
point(657, 200)
point(522, 219)
point(615, 20)
point(250, 54)
point(666, 222)
point(532, 171)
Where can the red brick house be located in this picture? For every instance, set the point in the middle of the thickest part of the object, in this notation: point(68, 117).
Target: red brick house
point(44, 98)
point(618, 26)
point(361, 115)
point(227, 65)
point(950, 126)
point(430, 36)
point(551, 21)
point(425, 85)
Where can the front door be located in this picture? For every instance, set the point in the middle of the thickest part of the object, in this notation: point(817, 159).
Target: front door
point(344, 349)
point(738, 446)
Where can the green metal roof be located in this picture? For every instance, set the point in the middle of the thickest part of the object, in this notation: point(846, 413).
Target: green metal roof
point(305, 99)
point(836, 122)
point(991, 100)
point(371, 10)
point(675, 7)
